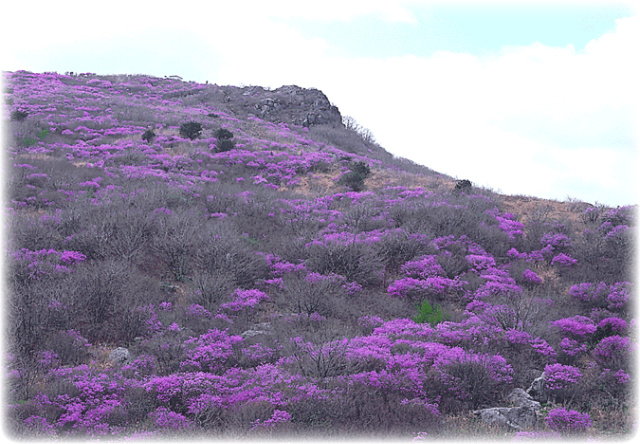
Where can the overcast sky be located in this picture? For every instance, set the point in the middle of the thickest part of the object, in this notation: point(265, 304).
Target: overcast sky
point(534, 98)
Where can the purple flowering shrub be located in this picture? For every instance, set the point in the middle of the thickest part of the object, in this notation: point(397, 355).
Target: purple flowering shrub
point(567, 421)
point(435, 288)
point(211, 352)
point(589, 293)
point(618, 296)
point(613, 351)
point(425, 279)
point(167, 419)
point(244, 301)
point(571, 350)
point(279, 420)
point(613, 383)
point(41, 263)
point(422, 268)
point(613, 297)
point(531, 277)
point(563, 260)
point(562, 380)
point(611, 326)
point(577, 327)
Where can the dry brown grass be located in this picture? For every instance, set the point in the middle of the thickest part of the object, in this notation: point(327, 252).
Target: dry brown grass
point(315, 185)
point(380, 179)
point(527, 208)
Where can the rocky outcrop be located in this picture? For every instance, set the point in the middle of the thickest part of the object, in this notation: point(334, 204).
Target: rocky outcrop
point(524, 414)
point(288, 104)
point(537, 389)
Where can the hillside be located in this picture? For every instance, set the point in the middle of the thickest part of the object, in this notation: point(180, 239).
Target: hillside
point(192, 259)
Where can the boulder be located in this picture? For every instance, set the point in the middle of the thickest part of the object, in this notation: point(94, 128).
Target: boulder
point(120, 356)
point(537, 389)
point(520, 398)
point(517, 418)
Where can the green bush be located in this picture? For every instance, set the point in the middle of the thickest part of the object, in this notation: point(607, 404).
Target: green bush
point(354, 179)
point(191, 130)
point(428, 314)
point(29, 141)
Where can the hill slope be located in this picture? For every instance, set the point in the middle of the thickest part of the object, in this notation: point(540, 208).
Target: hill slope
point(278, 272)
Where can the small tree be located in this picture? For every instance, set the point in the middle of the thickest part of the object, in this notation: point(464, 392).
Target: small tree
point(148, 135)
point(354, 179)
point(224, 145)
point(19, 115)
point(223, 134)
point(191, 130)
point(224, 142)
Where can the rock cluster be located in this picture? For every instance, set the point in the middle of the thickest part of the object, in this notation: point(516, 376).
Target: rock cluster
point(526, 408)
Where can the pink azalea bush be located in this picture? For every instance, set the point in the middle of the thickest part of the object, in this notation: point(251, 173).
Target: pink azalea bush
point(567, 421)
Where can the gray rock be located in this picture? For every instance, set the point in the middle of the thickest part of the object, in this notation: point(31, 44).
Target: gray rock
point(520, 398)
point(263, 328)
point(120, 356)
point(518, 418)
point(537, 390)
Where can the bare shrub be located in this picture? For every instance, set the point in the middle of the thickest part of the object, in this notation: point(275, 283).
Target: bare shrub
point(70, 347)
point(325, 360)
point(167, 348)
point(397, 248)
point(103, 300)
point(355, 261)
point(223, 251)
point(27, 318)
point(177, 241)
point(364, 217)
point(309, 297)
point(349, 141)
point(210, 288)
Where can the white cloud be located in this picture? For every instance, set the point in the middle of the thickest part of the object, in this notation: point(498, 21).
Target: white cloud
point(536, 120)
point(332, 10)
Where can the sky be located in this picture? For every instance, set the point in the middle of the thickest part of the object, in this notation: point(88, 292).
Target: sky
point(530, 98)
